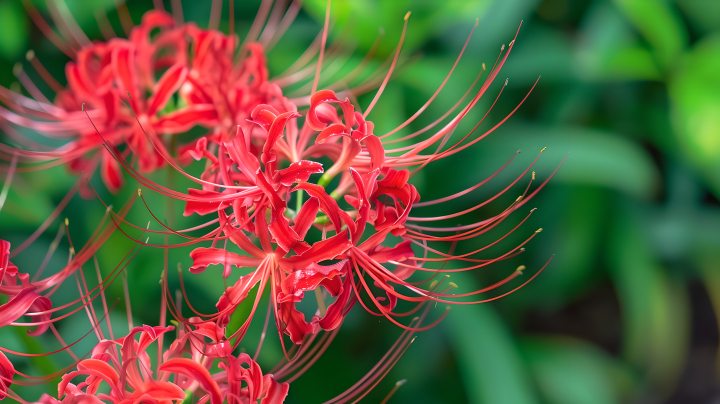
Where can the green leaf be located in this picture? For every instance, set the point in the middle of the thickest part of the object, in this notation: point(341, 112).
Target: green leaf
point(660, 24)
point(655, 308)
point(695, 97)
point(14, 30)
point(486, 353)
point(569, 371)
point(593, 157)
point(704, 14)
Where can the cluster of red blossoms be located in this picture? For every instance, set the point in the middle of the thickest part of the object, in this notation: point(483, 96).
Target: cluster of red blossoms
point(345, 233)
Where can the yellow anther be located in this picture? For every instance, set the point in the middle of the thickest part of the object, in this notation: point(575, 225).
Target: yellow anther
point(538, 230)
point(17, 69)
point(533, 176)
point(67, 222)
point(433, 284)
point(453, 284)
point(512, 42)
point(519, 198)
point(483, 66)
point(543, 149)
point(407, 15)
point(502, 48)
point(139, 192)
point(72, 251)
point(30, 55)
point(175, 323)
point(477, 22)
point(521, 268)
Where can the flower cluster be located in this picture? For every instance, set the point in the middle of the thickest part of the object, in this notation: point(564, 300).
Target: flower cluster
point(304, 195)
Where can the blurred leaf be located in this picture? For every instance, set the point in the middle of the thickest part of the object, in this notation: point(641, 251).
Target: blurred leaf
point(486, 353)
point(14, 31)
point(572, 372)
point(660, 24)
point(655, 308)
point(709, 264)
point(593, 157)
point(632, 62)
point(703, 13)
point(581, 212)
point(695, 97)
point(607, 48)
point(25, 209)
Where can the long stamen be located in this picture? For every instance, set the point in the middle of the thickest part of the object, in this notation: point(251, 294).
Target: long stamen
point(8, 181)
point(390, 71)
point(316, 80)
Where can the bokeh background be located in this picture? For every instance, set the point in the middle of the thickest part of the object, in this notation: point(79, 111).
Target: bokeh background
point(626, 312)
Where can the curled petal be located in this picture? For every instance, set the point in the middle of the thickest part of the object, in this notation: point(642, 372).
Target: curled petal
point(194, 371)
point(7, 372)
point(198, 151)
point(298, 172)
point(6, 267)
point(168, 84)
point(317, 99)
point(269, 191)
point(320, 251)
point(274, 133)
point(21, 304)
point(327, 204)
point(276, 392)
point(335, 129)
point(123, 64)
point(186, 118)
point(305, 218)
point(281, 231)
point(376, 150)
point(400, 252)
point(202, 257)
point(264, 115)
point(203, 208)
point(310, 278)
point(337, 310)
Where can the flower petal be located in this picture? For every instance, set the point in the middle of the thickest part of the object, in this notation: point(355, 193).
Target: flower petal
point(305, 218)
point(194, 371)
point(202, 257)
point(186, 118)
point(320, 251)
point(298, 172)
point(168, 84)
point(203, 208)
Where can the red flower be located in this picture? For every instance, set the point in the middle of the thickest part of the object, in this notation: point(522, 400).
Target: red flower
point(137, 90)
point(7, 372)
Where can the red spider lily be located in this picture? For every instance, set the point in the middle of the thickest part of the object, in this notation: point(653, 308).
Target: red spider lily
point(170, 81)
point(104, 76)
point(128, 375)
point(7, 372)
point(354, 236)
point(246, 177)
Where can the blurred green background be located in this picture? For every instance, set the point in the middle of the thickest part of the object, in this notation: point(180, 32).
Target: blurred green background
point(626, 311)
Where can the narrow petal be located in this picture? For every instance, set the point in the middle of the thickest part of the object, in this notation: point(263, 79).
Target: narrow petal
point(320, 251)
point(202, 257)
point(298, 172)
point(305, 218)
point(194, 371)
point(168, 84)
